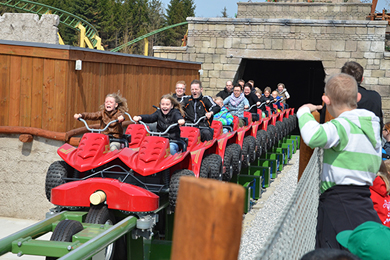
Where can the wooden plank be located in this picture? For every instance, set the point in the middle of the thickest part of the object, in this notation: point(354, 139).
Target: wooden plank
point(130, 90)
point(5, 61)
point(36, 92)
point(109, 57)
point(47, 94)
point(30, 51)
point(15, 77)
point(59, 96)
point(208, 220)
point(26, 91)
point(71, 96)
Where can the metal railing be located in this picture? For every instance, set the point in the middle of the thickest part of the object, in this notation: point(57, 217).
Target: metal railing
point(294, 234)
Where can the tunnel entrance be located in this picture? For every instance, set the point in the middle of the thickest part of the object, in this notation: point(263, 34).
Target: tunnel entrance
point(304, 80)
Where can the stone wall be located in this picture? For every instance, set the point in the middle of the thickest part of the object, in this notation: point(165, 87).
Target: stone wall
point(22, 180)
point(29, 28)
point(305, 10)
point(221, 43)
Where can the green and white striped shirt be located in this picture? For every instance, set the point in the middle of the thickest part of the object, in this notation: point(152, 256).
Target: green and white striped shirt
point(352, 146)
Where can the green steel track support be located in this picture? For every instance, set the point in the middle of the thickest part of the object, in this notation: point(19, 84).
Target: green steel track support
point(147, 35)
point(40, 9)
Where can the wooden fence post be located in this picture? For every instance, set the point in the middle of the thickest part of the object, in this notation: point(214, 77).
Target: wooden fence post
point(208, 220)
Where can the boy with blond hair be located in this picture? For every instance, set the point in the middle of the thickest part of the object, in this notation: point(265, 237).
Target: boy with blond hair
point(352, 157)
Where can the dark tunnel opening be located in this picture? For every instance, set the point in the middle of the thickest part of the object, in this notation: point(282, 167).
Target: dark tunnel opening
point(304, 80)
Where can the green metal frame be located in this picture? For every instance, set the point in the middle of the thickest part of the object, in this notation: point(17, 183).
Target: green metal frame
point(146, 36)
point(66, 18)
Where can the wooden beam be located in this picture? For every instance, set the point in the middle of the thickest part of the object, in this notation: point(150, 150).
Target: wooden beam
point(208, 220)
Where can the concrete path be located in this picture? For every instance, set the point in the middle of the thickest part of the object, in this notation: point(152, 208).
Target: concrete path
point(12, 225)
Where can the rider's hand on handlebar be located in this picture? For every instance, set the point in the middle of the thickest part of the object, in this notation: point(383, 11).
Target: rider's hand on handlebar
point(258, 104)
point(267, 101)
point(137, 118)
point(181, 121)
point(246, 107)
point(77, 116)
point(209, 114)
point(121, 118)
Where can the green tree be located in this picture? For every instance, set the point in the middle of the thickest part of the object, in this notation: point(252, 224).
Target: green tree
point(156, 21)
point(224, 13)
point(177, 12)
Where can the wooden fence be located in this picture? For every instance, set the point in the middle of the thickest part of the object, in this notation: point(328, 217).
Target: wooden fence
point(40, 88)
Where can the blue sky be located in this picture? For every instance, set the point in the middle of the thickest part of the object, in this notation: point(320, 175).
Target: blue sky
point(213, 8)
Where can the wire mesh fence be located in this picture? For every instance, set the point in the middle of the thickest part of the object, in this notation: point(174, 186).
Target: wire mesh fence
point(294, 235)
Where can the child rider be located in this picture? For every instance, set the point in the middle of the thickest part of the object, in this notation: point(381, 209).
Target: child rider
point(113, 108)
point(170, 112)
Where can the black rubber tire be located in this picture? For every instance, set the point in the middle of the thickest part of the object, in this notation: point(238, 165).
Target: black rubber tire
point(211, 167)
point(174, 185)
point(228, 164)
point(273, 136)
point(100, 214)
point(261, 141)
point(280, 130)
point(248, 150)
point(57, 170)
point(253, 148)
point(64, 232)
point(237, 158)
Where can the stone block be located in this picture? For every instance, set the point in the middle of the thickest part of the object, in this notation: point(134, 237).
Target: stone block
point(232, 67)
point(208, 58)
point(213, 42)
point(207, 66)
point(329, 64)
point(343, 54)
point(363, 46)
point(371, 81)
point(340, 62)
point(385, 65)
point(220, 42)
point(350, 30)
point(227, 74)
point(357, 54)
point(384, 81)
point(323, 45)
point(228, 43)
point(369, 55)
point(211, 50)
point(230, 27)
point(277, 44)
point(218, 66)
point(246, 40)
point(214, 74)
point(337, 45)
point(236, 42)
point(200, 58)
point(361, 30)
point(288, 44)
point(350, 45)
point(387, 73)
point(164, 55)
point(309, 45)
point(216, 58)
point(377, 46)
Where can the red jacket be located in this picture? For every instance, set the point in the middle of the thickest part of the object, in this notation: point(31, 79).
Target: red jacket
point(381, 200)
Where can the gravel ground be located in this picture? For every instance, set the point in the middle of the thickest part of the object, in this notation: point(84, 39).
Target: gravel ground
point(260, 221)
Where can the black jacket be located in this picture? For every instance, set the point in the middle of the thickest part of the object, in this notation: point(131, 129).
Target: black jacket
point(224, 93)
point(371, 100)
point(253, 99)
point(196, 108)
point(164, 121)
point(179, 99)
point(264, 99)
